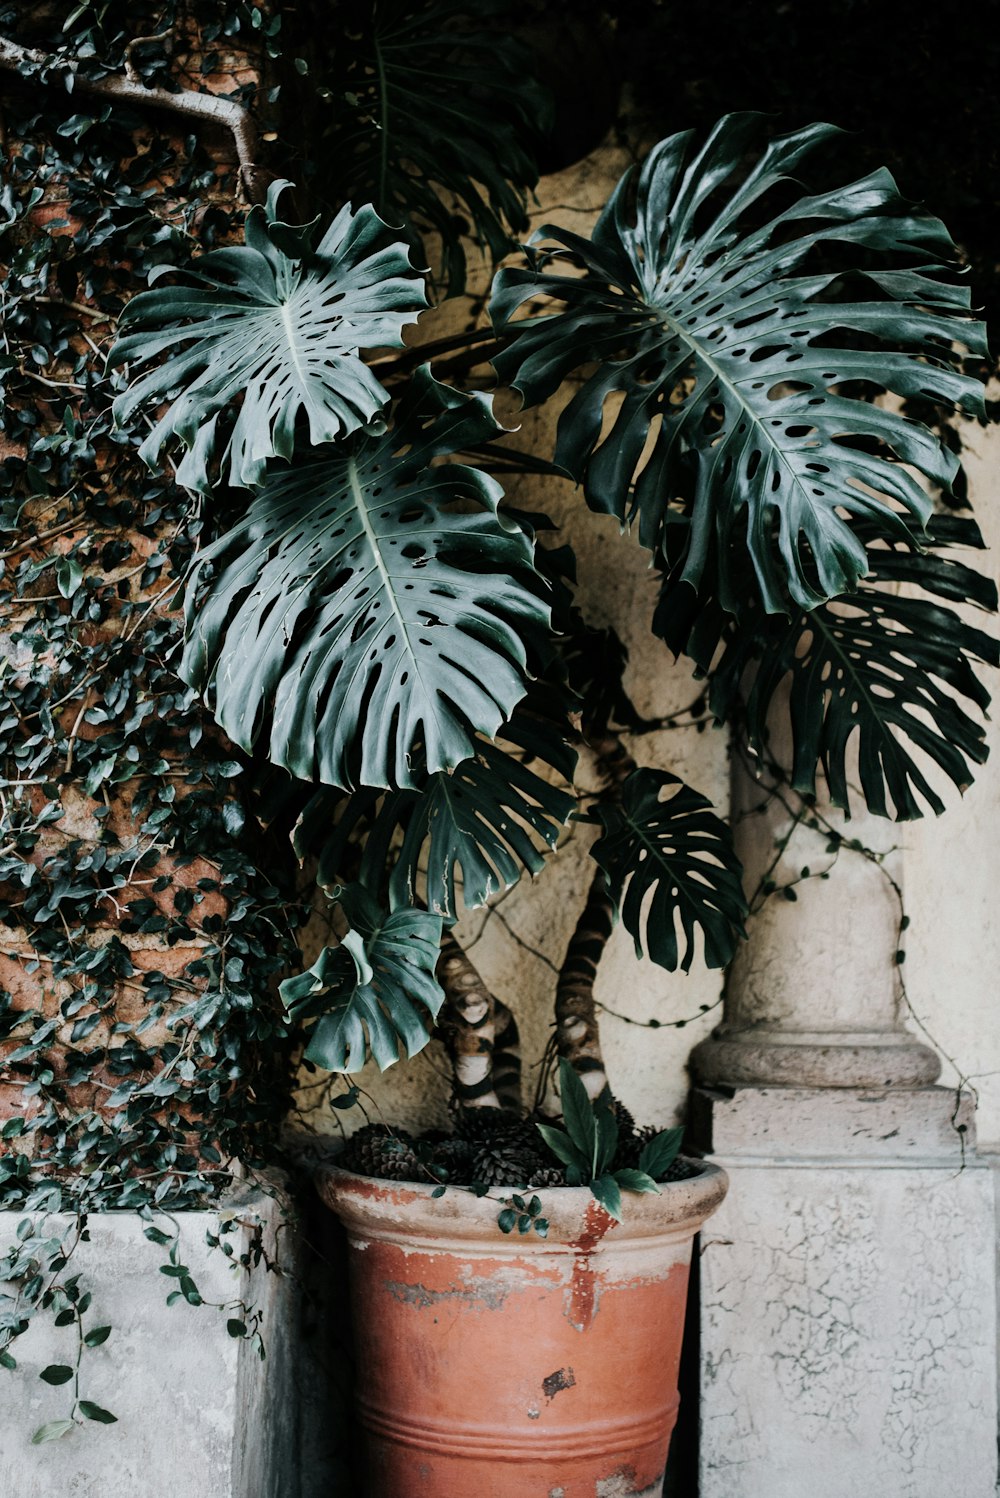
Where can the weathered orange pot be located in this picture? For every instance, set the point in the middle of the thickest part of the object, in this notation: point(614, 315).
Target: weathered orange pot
point(517, 1367)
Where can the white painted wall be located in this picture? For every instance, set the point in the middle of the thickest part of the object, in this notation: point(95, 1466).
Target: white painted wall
point(199, 1414)
point(952, 875)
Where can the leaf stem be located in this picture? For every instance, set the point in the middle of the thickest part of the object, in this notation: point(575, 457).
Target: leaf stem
point(383, 98)
point(418, 353)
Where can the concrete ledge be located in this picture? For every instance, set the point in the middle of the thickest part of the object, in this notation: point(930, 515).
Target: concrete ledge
point(852, 1124)
point(199, 1414)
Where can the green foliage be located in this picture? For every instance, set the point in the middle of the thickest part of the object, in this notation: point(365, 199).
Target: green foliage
point(890, 663)
point(660, 1152)
point(525, 1215)
point(679, 850)
point(589, 1141)
point(275, 323)
point(366, 994)
point(113, 779)
point(465, 835)
point(92, 1411)
point(369, 618)
point(96, 38)
point(370, 605)
point(89, 704)
point(746, 358)
point(432, 113)
point(53, 1430)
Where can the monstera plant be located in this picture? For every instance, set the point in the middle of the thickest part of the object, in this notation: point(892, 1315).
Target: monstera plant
point(399, 650)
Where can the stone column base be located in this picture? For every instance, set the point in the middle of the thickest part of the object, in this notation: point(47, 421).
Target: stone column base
point(762, 1056)
point(848, 1297)
point(199, 1415)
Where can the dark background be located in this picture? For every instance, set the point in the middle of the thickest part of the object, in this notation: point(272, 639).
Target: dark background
point(916, 85)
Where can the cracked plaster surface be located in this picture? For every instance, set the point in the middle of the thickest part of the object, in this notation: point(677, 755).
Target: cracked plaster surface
point(849, 1335)
point(232, 1429)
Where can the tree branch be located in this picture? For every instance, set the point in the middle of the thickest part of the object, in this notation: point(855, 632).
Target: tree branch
point(468, 1025)
point(506, 1057)
point(577, 1027)
point(227, 113)
point(578, 1031)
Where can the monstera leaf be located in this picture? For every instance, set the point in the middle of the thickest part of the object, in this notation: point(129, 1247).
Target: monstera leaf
point(679, 853)
point(276, 325)
point(731, 352)
point(370, 611)
point(436, 123)
point(376, 991)
point(462, 838)
point(888, 664)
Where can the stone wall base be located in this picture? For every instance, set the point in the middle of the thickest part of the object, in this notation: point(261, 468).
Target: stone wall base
point(848, 1298)
point(199, 1414)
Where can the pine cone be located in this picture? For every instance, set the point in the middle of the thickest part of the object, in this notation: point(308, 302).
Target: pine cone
point(504, 1163)
point(630, 1147)
point(626, 1123)
point(488, 1125)
point(454, 1156)
point(547, 1175)
point(681, 1170)
point(384, 1153)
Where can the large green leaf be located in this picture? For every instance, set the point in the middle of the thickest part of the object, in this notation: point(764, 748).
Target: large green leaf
point(275, 325)
point(680, 855)
point(436, 120)
point(374, 992)
point(745, 350)
point(887, 666)
point(462, 838)
point(369, 615)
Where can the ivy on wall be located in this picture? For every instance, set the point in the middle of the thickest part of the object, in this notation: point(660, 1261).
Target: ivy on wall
point(144, 915)
point(140, 934)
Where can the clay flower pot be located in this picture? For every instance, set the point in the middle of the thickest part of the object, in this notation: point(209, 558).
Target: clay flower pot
point(495, 1366)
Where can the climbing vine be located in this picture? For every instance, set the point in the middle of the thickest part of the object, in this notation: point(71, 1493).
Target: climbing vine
point(140, 933)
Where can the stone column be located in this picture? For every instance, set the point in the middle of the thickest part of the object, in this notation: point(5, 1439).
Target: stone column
point(812, 998)
point(848, 1284)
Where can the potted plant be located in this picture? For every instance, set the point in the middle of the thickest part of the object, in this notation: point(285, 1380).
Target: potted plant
point(402, 648)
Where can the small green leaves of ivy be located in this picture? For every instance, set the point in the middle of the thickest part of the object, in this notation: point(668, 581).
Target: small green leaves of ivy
point(69, 1306)
point(587, 1145)
point(361, 993)
point(523, 1215)
point(92, 1411)
point(52, 1430)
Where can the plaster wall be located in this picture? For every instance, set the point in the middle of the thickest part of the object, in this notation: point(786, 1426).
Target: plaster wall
point(868, 1366)
point(199, 1414)
point(952, 877)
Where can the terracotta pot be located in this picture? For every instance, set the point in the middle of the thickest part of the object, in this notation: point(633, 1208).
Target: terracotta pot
point(517, 1366)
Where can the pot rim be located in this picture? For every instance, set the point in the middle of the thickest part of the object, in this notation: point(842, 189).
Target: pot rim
point(407, 1212)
